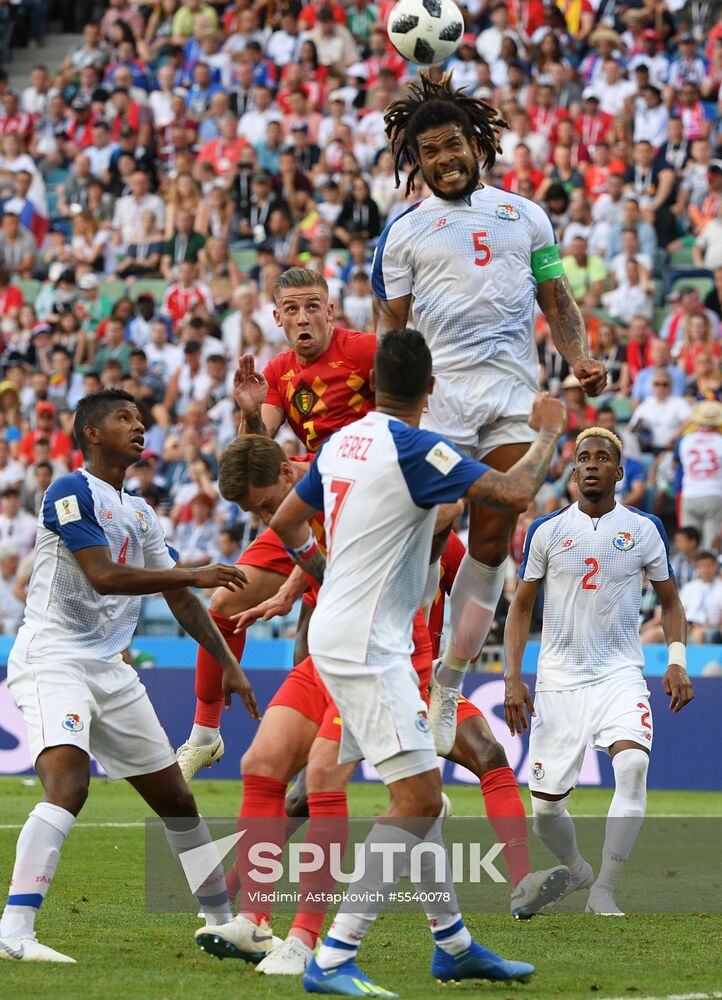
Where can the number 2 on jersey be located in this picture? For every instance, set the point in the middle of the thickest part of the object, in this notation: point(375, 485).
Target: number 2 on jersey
point(593, 570)
point(340, 489)
point(481, 248)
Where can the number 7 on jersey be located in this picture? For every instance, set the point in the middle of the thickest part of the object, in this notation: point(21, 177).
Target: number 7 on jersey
point(340, 489)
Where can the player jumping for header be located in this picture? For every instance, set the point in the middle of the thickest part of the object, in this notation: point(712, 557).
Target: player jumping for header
point(473, 260)
point(591, 557)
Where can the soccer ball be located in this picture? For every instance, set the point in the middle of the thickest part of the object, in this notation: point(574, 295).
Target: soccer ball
point(425, 31)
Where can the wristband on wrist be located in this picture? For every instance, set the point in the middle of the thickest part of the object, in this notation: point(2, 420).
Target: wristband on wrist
point(306, 550)
point(677, 652)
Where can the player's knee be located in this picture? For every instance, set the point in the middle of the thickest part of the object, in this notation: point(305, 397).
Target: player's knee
point(630, 773)
point(544, 810)
point(225, 602)
point(430, 803)
point(485, 756)
point(491, 550)
point(69, 791)
point(320, 777)
point(178, 801)
point(262, 762)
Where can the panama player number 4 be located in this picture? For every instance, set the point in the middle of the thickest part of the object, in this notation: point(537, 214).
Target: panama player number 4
point(425, 31)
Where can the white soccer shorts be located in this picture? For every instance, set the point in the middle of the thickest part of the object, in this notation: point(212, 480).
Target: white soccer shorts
point(567, 721)
point(481, 410)
point(99, 706)
point(382, 712)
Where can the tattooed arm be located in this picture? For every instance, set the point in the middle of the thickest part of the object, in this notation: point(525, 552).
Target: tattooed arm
point(569, 333)
point(391, 314)
point(516, 488)
point(192, 616)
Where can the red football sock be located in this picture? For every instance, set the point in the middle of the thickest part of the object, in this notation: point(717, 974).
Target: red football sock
point(505, 812)
point(209, 676)
point(328, 823)
point(262, 798)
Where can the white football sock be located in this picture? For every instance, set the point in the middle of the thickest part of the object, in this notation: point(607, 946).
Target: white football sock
point(431, 587)
point(626, 813)
point(203, 736)
point(36, 857)
point(348, 929)
point(474, 597)
point(212, 894)
point(555, 828)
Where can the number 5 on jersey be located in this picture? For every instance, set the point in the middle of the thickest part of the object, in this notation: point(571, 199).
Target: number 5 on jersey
point(482, 248)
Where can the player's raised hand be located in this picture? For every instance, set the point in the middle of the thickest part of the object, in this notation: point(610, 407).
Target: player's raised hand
point(210, 577)
point(237, 683)
point(517, 702)
point(592, 375)
point(678, 686)
point(249, 386)
point(548, 414)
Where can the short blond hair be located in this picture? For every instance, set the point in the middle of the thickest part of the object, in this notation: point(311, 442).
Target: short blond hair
point(600, 432)
point(252, 460)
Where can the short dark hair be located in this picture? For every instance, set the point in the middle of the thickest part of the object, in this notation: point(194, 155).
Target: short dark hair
point(706, 554)
point(690, 533)
point(43, 465)
point(403, 364)
point(92, 411)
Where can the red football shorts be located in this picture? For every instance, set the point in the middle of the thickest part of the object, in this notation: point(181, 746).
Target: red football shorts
point(267, 552)
point(304, 691)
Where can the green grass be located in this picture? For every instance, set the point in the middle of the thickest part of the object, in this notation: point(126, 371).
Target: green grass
point(95, 912)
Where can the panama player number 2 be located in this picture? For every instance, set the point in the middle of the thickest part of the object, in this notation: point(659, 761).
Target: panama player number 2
point(593, 567)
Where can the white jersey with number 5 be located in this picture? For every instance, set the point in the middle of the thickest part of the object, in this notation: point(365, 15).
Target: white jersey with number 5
point(378, 482)
point(592, 571)
point(700, 453)
point(468, 264)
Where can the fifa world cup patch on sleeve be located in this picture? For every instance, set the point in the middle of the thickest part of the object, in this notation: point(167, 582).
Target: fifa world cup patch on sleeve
point(546, 263)
point(68, 510)
point(443, 458)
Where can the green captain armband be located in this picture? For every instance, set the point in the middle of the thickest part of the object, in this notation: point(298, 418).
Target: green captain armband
point(546, 263)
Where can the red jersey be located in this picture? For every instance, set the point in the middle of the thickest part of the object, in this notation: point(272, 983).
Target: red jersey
point(60, 445)
point(320, 397)
point(450, 562)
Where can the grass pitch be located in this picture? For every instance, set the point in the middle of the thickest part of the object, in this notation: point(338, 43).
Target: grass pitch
point(95, 912)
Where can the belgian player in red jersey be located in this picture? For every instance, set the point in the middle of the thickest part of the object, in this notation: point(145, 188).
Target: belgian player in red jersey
point(302, 724)
point(318, 386)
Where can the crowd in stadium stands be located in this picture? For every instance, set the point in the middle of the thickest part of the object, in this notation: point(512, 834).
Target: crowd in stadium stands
point(154, 185)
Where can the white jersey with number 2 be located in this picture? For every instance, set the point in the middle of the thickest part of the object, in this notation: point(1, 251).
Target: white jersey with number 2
point(592, 571)
point(468, 264)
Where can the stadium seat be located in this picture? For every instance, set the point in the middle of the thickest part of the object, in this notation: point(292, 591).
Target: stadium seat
point(244, 259)
point(29, 287)
point(681, 258)
point(112, 289)
point(156, 286)
point(156, 618)
point(58, 175)
point(703, 283)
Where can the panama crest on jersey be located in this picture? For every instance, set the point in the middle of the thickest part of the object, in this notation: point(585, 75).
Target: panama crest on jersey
point(537, 770)
point(507, 212)
point(623, 541)
point(72, 722)
point(142, 520)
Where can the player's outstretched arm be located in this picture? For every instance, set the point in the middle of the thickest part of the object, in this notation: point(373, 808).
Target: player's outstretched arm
point(107, 577)
point(517, 698)
point(277, 606)
point(516, 488)
point(250, 389)
point(569, 333)
point(674, 623)
point(391, 314)
point(192, 615)
point(290, 522)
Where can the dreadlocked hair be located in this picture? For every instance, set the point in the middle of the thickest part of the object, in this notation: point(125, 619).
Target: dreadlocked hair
point(430, 105)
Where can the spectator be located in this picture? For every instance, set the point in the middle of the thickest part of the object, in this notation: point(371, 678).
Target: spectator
point(31, 495)
point(113, 346)
point(184, 245)
point(702, 600)
point(700, 456)
point(61, 446)
point(661, 417)
point(17, 246)
point(659, 356)
point(672, 330)
point(12, 472)
point(11, 607)
point(686, 546)
point(17, 527)
point(586, 274)
point(707, 249)
point(184, 294)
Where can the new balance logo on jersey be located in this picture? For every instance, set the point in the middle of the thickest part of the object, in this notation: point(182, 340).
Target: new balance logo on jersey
point(443, 457)
point(439, 223)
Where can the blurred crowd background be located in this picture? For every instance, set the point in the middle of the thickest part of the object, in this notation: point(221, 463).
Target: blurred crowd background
point(155, 183)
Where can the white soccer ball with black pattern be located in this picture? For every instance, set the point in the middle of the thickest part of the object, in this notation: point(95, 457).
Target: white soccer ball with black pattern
point(425, 31)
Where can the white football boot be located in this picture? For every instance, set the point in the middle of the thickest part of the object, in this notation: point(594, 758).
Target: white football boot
point(28, 949)
point(539, 889)
point(239, 938)
point(192, 757)
point(442, 713)
point(291, 958)
point(601, 901)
